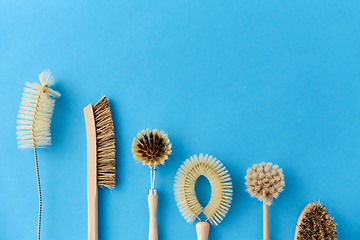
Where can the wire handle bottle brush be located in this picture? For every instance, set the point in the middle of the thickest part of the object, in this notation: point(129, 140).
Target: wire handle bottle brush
point(34, 119)
point(315, 222)
point(221, 192)
point(100, 157)
point(265, 182)
point(152, 148)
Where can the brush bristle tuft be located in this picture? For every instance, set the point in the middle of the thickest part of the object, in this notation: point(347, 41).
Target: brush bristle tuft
point(105, 144)
point(317, 224)
point(151, 147)
point(36, 110)
point(221, 188)
point(265, 182)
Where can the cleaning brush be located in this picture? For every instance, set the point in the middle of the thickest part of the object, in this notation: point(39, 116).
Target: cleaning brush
point(265, 182)
point(316, 223)
point(100, 157)
point(152, 148)
point(34, 119)
point(221, 192)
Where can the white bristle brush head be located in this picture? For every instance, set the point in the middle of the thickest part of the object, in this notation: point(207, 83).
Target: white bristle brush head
point(36, 109)
point(265, 181)
point(221, 188)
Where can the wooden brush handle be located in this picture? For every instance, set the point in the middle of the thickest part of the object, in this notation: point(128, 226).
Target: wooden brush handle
point(202, 230)
point(265, 221)
point(153, 200)
point(92, 188)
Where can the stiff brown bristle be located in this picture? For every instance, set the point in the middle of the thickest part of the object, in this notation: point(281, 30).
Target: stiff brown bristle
point(151, 147)
point(105, 144)
point(265, 182)
point(317, 224)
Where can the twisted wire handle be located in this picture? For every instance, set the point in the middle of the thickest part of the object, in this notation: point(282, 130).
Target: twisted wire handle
point(39, 189)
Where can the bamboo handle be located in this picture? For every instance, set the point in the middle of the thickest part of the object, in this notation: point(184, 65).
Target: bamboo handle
point(202, 230)
point(153, 200)
point(265, 221)
point(92, 188)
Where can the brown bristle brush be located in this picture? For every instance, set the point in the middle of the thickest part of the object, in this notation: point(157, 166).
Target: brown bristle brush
point(265, 182)
point(100, 157)
point(152, 148)
point(316, 223)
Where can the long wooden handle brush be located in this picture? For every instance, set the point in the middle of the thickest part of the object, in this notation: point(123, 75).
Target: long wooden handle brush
point(221, 192)
point(315, 223)
point(100, 157)
point(265, 181)
point(34, 119)
point(152, 148)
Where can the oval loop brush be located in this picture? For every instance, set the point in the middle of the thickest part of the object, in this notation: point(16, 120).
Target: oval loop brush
point(34, 119)
point(315, 222)
point(152, 148)
point(265, 182)
point(221, 192)
point(100, 157)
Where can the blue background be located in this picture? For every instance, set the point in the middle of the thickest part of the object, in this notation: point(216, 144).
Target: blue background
point(244, 81)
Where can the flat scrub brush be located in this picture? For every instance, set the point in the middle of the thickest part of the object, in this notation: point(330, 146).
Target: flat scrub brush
point(152, 148)
point(315, 223)
point(221, 192)
point(34, 119)
point(265, 182)
point(100, 157)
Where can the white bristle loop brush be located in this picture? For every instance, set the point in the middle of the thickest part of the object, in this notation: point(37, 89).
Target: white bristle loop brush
point(221, 192)
point(34, 120)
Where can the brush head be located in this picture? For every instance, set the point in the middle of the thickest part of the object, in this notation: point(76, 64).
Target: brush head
point(315, 222)
point(265, 182)
point(105, 139)
point(221, 188)
point(151, 147)
point(36, 109)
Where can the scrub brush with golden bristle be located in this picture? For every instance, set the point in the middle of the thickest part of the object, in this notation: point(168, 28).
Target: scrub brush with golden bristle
point(100, 157)
point(152, 148)
point(316, 223)
point(265, 181)
point(34, 119)
point(221, 192)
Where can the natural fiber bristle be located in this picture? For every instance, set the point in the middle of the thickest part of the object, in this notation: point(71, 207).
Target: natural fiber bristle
point(221, 188)
point(317, 224)
point(151, 147)
point(105, 138)
point(36, 109)
point(265, 182)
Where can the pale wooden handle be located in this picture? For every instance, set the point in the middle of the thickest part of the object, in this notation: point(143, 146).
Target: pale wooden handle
point(265, 221)
point(153, 200)
point(92, 188)
point(202, 230)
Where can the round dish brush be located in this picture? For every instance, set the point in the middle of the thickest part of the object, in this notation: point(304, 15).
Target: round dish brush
point(316, 223)
point(265, 182)
point(152, 148)
point(221, 192)
point(34, 119)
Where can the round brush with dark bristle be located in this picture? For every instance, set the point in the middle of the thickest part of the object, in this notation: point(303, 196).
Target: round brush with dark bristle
point(316, 223)
point(152, 148)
